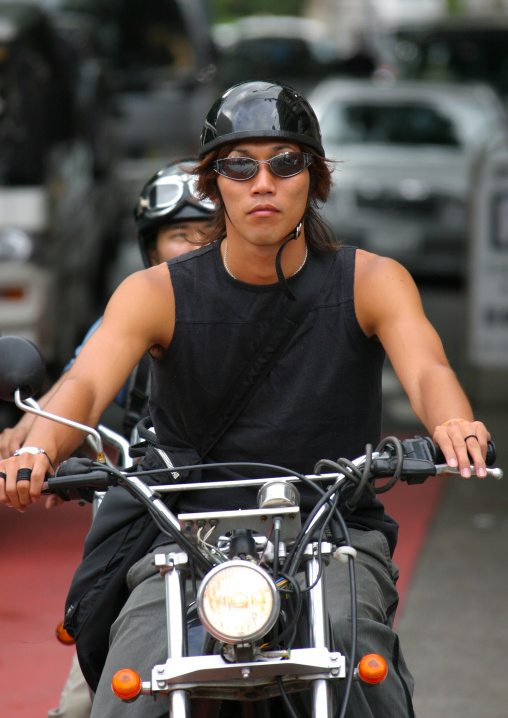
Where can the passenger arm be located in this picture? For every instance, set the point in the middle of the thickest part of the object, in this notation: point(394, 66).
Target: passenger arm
point(139, 315)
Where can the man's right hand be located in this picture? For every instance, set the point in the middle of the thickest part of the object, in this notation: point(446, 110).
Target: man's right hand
point(21, 479)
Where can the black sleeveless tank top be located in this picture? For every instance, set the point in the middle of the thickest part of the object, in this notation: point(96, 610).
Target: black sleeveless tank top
point(322, 399)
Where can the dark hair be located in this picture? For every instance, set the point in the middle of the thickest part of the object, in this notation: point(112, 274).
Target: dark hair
point(318, 233)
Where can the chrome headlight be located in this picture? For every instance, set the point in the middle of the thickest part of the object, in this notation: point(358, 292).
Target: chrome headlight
point(238, 602)
point(15, 245)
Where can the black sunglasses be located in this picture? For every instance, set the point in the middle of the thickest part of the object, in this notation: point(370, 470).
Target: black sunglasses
point(287, 164)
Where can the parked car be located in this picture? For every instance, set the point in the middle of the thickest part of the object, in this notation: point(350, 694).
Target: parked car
point(294, 50)
point(59, 202)
point(406, 156)
point(160, 59)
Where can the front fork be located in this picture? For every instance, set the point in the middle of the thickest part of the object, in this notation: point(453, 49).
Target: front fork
point(318, 625)
point(172, 567)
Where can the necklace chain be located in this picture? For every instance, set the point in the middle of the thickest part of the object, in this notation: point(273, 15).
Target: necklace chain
point(233, 276)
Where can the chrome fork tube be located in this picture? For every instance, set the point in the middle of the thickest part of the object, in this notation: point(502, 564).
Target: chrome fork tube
point(320, 691)
point(179, 703)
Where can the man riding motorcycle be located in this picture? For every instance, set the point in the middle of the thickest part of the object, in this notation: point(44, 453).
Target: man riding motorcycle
point(202, 315)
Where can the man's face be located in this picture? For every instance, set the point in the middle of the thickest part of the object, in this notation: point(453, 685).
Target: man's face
point(263, 210)
point(175, 239)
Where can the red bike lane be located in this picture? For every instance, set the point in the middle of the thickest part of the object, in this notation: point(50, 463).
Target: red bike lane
point(40, 552)
point(41, 549)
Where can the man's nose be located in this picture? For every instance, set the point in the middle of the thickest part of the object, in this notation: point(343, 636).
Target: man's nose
point(263, 180)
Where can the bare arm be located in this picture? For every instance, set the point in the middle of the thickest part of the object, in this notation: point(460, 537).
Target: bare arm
point(12, 438)
point(139, 316)
point(389, 307)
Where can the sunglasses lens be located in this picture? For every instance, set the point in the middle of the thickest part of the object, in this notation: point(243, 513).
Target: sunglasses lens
point(289, 164)
point(237, 168)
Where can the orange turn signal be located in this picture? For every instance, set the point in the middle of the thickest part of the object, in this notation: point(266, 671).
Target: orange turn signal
point(372, 668)
point(63, 636)
point(126, 684)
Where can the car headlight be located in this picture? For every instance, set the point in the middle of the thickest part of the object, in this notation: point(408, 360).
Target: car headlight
point(238, 602)
point(15, 245)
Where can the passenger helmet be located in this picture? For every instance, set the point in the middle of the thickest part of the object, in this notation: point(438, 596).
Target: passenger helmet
point(169, 196)
point(258, 109)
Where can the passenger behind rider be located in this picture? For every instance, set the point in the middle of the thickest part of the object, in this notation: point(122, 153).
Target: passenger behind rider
point(169, 221)
point(262, 159)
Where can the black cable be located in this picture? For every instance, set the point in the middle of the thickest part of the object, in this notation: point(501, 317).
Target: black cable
point(285, 699)
point(319, 543)
point(294, 556)
point(293, 621)
point(352, 655)
point(276, 543)
point(221, 465)
point(168, 530)
point(354, 616)
point(365, 476)
point(397, 444)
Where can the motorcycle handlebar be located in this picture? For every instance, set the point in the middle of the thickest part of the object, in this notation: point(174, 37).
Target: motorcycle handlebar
point(79, 479)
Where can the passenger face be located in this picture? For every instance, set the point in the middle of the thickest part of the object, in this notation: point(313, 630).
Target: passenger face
point(176, 239)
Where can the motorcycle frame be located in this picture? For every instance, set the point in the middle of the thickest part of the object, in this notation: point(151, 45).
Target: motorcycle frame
point(210, 676)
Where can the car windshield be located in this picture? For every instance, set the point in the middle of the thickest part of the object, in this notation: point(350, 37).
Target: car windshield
point(405, 123)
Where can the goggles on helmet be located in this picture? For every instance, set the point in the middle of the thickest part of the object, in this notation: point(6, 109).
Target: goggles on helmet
point(286, 164)
point(167, 193)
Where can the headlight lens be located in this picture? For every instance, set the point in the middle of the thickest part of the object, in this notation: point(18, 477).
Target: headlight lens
point(238, 602)
point(15, 245)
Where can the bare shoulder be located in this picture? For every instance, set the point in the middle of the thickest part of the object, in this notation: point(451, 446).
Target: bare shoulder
point(383, 289)
point(372, 267)
point(144, 286)
point(145, 301)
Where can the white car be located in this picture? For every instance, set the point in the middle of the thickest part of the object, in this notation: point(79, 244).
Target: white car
point(406, 157)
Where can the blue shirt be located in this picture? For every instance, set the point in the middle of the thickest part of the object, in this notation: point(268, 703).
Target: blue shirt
point(121, 397)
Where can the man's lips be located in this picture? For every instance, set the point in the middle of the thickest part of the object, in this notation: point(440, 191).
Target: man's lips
point(263, 210)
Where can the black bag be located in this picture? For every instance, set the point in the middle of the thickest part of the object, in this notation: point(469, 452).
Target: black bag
point(122, 532)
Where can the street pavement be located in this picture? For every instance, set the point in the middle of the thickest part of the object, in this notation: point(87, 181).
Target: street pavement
point(453, 624)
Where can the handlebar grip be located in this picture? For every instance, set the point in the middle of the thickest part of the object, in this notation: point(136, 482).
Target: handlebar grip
point(78, 486)
point(490, 459)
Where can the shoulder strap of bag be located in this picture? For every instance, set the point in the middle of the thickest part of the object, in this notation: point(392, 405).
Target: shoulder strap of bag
point(271, 347)
point(137, 395)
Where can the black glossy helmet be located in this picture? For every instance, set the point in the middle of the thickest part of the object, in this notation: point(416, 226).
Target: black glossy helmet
point(169, 196)
point(258, 109)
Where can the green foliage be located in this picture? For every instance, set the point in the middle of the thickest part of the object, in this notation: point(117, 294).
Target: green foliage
point(455, 7)
point(225, 10)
